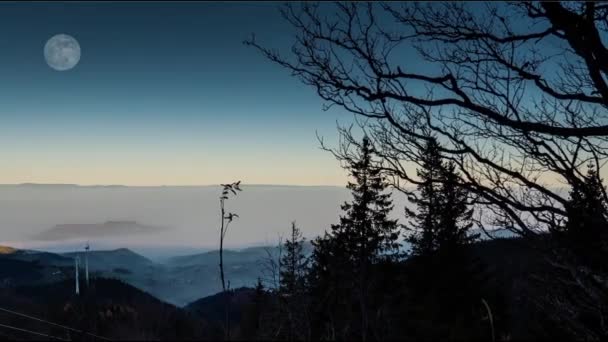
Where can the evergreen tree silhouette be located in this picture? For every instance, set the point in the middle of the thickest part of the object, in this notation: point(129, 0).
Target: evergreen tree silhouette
point(426, 220)
point(294, 264)
point(455, 214)
point(341, 277)
point(443, 217)
point(587, 226)
point(326, 280)
point(444, 278)
point(292, 286)
point(365, 232)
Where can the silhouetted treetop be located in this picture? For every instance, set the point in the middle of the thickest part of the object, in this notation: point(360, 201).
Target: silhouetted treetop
point(516, 93)
point(442, 219)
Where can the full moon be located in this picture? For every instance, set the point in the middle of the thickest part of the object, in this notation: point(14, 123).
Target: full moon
point(62, 52)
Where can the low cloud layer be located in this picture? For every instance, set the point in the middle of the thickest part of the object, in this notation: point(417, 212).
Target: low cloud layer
point(190, 215)
point(96, 230)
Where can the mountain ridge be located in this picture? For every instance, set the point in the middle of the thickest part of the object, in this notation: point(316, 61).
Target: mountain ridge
point(92, 230)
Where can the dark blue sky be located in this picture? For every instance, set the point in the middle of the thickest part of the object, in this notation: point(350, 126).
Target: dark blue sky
point(164, 93)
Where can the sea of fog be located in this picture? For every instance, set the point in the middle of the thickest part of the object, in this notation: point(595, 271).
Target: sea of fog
point(188, 217)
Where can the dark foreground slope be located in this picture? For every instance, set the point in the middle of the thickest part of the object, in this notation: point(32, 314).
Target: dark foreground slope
point(415, 300)
point(504, 279)
point(108, 308)
point(505, 289)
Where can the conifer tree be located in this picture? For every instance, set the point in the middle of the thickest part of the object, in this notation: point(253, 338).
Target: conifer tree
point(455, 214)
point(292, 287)
point(294, 264)
point(445, 286)
point(343, 258)
point(323, 259)
point(365, 232)
point(587, 225)
point(425, 221)
point(443, 217)
point(330, 288)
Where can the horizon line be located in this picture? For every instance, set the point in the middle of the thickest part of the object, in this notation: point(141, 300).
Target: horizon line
point(161, 185)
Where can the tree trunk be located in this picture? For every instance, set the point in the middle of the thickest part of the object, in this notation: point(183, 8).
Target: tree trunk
point(222, 247)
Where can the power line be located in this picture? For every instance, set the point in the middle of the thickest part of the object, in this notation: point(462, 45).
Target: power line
point(32, 332)
point(55, 324)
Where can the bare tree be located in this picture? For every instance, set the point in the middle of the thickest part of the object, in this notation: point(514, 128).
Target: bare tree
point(515, 92)
point(226, 219)
point(271, 265)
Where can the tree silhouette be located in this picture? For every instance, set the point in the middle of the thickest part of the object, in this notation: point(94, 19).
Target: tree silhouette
point(293, 287)
point(425, 228)
point(517, 92)
point(344, 257)
point(443, 218)
point(455, 217)
point(294, 264)
point(325, 282)
point(587, 226)
point(365, 232)
point(226, 219)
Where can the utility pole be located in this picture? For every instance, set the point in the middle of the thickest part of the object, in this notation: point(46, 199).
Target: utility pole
point(76, 262)
point(86, 263)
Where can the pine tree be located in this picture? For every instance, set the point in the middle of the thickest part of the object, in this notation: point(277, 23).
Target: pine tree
point(323, 280)
point(445, 285)
point(587, 225)
point(294, 264)
point(323, 259)
point(443, 217)
point(424, 228)
point(365, 232)
point(292, 287)
point(330, 285)
point(455, 215)
point(343, 258)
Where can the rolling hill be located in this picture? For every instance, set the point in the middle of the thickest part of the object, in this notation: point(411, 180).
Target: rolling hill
point(109, 260)
point(180, 281)
point(108, 308)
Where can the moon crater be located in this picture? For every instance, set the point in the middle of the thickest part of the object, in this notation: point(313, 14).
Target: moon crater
point(62, 52)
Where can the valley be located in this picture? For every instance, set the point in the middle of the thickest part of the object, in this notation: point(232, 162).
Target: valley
point(179, 280)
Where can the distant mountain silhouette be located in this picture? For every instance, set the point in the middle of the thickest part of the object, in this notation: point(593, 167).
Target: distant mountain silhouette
point(109, 228)
point(39, 257)
point(59, 185)
point(251, 254)
point(180, 282)
point(118, 258)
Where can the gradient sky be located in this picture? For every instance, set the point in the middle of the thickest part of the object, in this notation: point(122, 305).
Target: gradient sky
point(164, 94)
